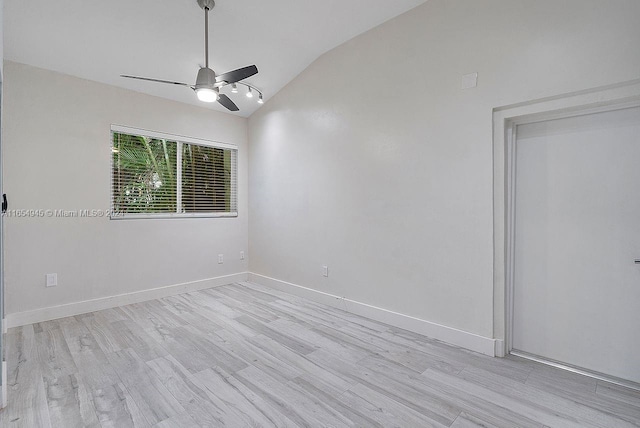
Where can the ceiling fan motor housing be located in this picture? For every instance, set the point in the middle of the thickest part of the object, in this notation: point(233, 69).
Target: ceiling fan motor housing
point(206, 78)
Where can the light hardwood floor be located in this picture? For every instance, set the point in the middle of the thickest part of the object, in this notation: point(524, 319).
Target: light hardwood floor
point(243, 355)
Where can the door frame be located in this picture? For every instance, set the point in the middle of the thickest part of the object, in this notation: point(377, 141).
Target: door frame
point(505, 122)
point(3, 322)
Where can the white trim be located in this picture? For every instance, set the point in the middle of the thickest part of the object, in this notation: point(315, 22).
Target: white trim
point(172, 215)
point(471, 341)
point(76, 308)
point(3, 390)
point(171, 137)
point(505, 120)
point(510, 135)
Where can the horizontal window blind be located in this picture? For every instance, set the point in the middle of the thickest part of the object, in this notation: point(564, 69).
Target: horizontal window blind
point(153, 176)
point(206, 179)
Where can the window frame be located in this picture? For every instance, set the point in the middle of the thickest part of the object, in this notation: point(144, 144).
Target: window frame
point(179, 140)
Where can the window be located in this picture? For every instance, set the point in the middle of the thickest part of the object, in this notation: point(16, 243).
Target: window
point(160, 175)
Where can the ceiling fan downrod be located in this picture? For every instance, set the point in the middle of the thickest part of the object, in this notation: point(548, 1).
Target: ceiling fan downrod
point(206, 77)
point(207, 5)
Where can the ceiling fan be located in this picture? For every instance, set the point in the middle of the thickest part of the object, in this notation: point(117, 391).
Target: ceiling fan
point(208, 83)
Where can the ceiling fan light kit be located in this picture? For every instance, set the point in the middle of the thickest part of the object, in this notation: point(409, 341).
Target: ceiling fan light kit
point(207, 95)
point(206, 89)
point(208, 83)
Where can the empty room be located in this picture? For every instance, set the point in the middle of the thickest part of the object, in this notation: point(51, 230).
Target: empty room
point(356, 213)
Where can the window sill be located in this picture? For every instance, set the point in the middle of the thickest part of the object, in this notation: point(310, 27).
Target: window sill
point(170, 215)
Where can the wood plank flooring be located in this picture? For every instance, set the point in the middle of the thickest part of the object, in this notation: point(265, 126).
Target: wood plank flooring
point(244, 355)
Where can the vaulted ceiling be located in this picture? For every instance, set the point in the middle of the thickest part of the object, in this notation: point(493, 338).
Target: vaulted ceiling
point(99, 40)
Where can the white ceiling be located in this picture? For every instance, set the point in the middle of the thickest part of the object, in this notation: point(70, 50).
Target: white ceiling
point(99, 40)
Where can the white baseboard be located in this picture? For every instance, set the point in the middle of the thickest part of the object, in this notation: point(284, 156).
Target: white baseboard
point(76, 308)
point(463, 339)
point(473, 342)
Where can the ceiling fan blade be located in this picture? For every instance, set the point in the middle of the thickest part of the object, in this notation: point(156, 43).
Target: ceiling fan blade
point(226, 102)
point(237, 75)
point(156, 80)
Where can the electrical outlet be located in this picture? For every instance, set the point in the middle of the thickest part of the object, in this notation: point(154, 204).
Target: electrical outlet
point(241, 255)
point(220, 259)
point(51, 279)
point(325, 270)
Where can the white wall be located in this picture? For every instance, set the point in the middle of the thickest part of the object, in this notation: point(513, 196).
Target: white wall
point(57, 156)
point(374, 161)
